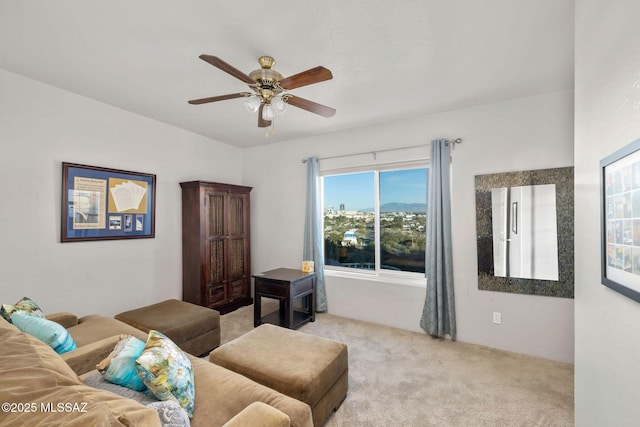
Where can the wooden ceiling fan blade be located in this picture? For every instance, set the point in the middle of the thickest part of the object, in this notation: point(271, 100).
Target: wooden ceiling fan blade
point(219, 63)
point(262, 123)
point(219, 98)
point(311, 106)
point(314, 75)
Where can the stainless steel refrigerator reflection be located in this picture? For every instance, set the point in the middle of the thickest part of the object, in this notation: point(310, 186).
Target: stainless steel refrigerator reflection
point(525, 242)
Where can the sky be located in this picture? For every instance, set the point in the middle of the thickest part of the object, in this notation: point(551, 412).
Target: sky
point(356, 190)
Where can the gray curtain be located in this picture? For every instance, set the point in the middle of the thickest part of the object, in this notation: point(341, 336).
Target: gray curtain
point(313, 231)
point(438, 315)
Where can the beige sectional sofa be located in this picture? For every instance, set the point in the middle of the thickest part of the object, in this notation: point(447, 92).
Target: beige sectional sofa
point(95, 337)
point(34, 380)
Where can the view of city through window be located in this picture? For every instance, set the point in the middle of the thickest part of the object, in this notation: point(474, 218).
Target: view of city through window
point(350, 222)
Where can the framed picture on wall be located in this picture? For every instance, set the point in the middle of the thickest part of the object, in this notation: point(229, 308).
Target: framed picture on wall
point(620, 220)
point(101, 204)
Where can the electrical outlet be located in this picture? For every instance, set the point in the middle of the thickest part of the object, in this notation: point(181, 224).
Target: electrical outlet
point(497, 318)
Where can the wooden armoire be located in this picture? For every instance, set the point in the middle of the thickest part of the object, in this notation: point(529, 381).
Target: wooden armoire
point(216, 260)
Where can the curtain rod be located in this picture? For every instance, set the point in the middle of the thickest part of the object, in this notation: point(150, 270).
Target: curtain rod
point(375, 152)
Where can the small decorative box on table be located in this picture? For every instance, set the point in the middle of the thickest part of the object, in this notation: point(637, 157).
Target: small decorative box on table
point(285, 285)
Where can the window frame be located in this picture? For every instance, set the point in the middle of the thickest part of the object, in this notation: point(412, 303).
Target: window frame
point(400, 276)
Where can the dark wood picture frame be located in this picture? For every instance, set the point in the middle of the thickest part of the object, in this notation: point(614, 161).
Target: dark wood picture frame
point(620, 220)
point(106, 204)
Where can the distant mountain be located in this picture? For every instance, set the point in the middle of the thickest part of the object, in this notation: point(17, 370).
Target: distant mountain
point(401, 207)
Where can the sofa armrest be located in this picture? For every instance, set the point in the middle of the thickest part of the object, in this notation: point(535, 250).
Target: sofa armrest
point(259, 414)
point(65, 319)
point(84, 359)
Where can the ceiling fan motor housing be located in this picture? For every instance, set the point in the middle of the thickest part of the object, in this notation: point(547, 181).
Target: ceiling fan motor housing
point(266, 78)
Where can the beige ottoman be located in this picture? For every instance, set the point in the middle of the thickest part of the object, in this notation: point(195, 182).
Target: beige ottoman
point(195, 329)
point(311, 369)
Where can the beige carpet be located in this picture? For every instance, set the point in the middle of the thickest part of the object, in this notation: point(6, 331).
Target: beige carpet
point(402, 378)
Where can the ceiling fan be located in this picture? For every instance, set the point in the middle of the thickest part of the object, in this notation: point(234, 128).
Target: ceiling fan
point(269, 89)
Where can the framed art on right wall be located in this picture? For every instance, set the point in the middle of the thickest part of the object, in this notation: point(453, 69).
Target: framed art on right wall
point(620, 220)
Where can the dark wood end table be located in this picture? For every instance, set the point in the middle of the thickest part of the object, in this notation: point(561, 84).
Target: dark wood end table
point(285, 285)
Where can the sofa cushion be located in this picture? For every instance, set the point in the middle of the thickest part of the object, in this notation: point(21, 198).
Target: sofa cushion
point(221, 394)
point(94, 327)
point(25, 305)
point(31, 372)
point(261, 414)
point(167, 371)
point(47, 331)
point(84, 359)
point(64, 318)
point(120, 366)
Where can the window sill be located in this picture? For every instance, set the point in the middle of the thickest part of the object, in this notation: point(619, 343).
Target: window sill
point(404, 280)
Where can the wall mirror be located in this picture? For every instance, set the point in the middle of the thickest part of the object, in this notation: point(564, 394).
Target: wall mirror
point(524, 226)
point(525, 238)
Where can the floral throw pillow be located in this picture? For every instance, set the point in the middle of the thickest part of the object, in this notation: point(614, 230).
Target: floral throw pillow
point(167, 371)
point(25, 305)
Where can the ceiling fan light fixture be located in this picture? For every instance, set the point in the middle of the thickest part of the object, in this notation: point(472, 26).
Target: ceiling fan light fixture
point(267, 112)
point(252, 103)
point(278, 105)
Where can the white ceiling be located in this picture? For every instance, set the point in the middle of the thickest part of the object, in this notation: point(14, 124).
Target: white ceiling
point(389, 59)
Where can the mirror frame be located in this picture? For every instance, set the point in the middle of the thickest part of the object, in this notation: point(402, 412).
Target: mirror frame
point(563, 179)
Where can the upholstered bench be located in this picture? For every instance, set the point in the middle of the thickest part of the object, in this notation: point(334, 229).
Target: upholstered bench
point(195, 329)
point(308, 368)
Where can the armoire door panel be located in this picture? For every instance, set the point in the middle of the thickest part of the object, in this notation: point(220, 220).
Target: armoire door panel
point(216, 215)
point(236, 216)
point(217, 258)
point(236, 259)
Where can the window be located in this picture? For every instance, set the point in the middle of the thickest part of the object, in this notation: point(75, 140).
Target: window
point(376, 220)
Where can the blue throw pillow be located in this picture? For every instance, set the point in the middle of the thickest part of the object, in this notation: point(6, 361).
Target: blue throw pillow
point(167, 371)
point(120, 366)
point(47, 331)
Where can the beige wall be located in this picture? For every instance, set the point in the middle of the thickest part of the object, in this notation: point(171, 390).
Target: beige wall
point(607, 88)
point(40, 127)
point(526, 133)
